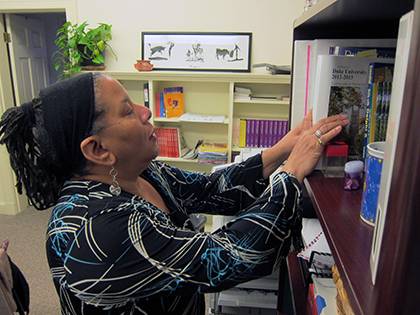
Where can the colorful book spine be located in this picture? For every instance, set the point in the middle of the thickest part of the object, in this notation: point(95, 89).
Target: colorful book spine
point(242, 133)
point(273, 132)
point(248, 133)
point(162, 105)
point(386, 114)
point(264, 134)
point(146, 94)
point(257, 131)
point(157, 104)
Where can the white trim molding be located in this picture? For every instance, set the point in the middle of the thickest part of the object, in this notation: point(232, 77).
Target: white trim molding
point(25, 6)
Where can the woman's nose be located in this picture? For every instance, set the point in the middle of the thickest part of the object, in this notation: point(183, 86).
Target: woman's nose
point(143, 113)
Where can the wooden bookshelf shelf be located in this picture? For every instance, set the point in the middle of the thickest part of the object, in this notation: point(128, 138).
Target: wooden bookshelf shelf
point(348, 237)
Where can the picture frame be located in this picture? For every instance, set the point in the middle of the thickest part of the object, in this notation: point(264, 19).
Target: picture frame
point(198, 51)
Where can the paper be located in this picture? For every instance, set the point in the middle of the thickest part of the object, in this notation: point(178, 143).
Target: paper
point(202, 118)
point(313, 238)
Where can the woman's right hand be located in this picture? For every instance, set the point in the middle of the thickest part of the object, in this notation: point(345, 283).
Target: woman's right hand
point(309, 148)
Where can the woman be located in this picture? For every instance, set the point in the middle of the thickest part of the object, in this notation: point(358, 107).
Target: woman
point(119, 239)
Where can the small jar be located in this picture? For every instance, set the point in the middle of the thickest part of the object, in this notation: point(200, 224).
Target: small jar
point(353, 175)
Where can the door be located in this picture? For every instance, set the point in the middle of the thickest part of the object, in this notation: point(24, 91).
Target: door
point(28, 54)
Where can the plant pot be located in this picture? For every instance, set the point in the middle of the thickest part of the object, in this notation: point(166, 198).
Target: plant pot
point(143, 65)
point(88, 64)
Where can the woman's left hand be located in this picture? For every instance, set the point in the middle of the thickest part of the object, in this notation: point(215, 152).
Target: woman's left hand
point(291, 138)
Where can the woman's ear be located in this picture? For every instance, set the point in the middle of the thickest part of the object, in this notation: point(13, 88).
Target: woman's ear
point(94, 152)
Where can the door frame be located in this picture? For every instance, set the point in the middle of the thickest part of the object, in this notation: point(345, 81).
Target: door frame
point(17, 203)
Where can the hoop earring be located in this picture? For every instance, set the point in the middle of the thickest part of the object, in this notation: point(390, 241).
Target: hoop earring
point(115, 188)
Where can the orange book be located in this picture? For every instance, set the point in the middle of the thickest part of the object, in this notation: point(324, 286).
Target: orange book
point(174, 101)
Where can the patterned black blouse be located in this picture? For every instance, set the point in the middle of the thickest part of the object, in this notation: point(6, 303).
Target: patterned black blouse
point(122, 255)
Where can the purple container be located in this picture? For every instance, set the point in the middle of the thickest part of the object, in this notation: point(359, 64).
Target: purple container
point(353, 175)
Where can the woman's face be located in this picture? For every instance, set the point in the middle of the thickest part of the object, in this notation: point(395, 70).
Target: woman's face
point(127, 132)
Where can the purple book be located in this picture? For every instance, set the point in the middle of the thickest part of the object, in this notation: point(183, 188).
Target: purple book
point(248, 133)
point(252, 134)
point(257, 131)
point(281, 128)
point(276, 128)
point(267, 133)
point(272, 132)
point(286, 127)
point(263, 134)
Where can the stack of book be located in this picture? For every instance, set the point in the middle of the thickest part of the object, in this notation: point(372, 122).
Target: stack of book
point(316, 263)
point(169, 141)
point(378, 101)
point(259, 133)
point(242, 94)
point(212, 153)
point(342, 300)
point(333, 76)
point(170, 102)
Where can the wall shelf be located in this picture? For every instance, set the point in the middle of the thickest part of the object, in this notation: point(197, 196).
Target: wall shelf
point(170, 159)
point(261, 101)
point(177, 120)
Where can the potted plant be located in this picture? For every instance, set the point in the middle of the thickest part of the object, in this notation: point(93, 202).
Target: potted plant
point(80, 47)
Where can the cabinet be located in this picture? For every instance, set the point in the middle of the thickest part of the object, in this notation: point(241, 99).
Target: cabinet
point(210, 94)
point(396, 288)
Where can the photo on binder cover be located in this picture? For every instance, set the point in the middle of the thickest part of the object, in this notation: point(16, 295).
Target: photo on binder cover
point(351, 101)
point(341, 87)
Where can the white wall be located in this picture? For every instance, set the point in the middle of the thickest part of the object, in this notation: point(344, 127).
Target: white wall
point(270, 21)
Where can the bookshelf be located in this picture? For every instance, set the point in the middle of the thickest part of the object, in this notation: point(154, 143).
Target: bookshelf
point(396, 288)
point(210, 94)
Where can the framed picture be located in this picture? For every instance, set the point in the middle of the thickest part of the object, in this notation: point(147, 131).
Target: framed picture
point(229, 52)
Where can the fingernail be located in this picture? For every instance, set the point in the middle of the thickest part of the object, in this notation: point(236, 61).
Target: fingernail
point(338, 128)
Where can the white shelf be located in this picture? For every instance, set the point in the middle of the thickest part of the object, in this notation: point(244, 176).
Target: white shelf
point(199, 76)
point(177, 120)
point(171, 159)
point(261, 101)
point(210, 99)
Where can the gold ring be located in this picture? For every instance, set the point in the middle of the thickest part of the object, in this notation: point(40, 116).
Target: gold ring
point(320, 141)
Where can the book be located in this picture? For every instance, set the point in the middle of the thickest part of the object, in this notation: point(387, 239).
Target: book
point(157, 104)
point(169, 141)
point(242, 133)
point(384, 52)
point(174, 101)
point(325, 293)
point(162, 110)
point(313, 239)
point(342, 87)
point(378, 73)
point(323, 47)
point(212, 153)
point(305, 58)
point(300, 89)
point(146, 94)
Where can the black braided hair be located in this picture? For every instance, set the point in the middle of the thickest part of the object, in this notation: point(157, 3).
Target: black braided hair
point(17, 133)
point(32, 157)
